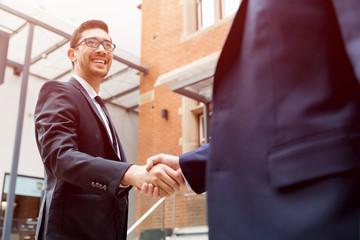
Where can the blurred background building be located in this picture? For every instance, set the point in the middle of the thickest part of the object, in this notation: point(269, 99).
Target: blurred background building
point(158, 92)
point(181, 43)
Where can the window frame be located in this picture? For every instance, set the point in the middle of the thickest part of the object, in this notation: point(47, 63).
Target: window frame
point(192, 17)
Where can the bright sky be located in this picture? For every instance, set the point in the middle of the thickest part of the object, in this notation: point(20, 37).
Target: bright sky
point(122, 16)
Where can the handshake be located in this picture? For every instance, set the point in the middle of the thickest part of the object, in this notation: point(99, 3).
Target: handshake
point(160, 177)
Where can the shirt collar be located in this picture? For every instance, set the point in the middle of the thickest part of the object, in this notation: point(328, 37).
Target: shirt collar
point(86, 86)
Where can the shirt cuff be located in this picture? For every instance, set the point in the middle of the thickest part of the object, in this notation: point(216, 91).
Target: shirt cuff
point(186, 182)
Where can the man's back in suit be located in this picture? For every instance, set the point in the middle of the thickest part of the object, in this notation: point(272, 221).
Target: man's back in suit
point(283, 161)
point(285, 127)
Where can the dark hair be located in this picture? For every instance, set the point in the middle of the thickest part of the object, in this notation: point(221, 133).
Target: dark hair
point(90, 24)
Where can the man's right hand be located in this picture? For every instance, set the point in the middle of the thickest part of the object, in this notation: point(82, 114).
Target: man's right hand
point(162, 180)
point(171, 161)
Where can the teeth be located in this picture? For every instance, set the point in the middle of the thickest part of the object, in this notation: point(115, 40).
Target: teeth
point(99, 61)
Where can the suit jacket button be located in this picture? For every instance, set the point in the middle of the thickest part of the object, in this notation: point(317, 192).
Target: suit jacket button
point(105, 188)
point(97, 185)
point(93, 184)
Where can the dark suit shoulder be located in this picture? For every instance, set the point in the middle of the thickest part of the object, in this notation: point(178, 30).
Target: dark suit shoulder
point(57, 86)
point(57, 91)
point(56, 97)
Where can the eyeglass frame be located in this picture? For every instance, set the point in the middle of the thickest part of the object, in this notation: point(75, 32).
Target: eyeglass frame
point(100, 42)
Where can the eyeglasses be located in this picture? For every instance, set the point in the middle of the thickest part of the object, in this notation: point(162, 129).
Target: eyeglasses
point(95, 43)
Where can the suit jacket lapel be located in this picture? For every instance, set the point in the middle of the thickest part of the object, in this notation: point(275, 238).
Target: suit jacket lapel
point(348, 15)
point(233, 42)
point(97, 113)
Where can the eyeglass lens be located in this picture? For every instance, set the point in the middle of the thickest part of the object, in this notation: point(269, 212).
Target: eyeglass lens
point(94, 43)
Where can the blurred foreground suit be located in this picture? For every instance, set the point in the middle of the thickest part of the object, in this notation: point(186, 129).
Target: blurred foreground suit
point(82, 170)
point(284, 157)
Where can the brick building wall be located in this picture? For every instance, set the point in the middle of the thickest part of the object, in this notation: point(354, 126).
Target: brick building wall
point(165, 47)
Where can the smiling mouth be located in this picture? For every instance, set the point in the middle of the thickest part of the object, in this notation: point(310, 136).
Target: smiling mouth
point(99, 61)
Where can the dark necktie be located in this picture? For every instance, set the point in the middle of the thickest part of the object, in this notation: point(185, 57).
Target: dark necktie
point(112, 130)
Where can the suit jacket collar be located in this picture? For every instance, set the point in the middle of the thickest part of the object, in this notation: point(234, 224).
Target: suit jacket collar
point(77, 85)
point(88, 88)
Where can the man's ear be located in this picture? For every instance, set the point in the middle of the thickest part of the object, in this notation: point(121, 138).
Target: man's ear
point(71, 55)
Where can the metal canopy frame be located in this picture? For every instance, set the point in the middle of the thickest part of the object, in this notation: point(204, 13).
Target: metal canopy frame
point(193, 80)
point(198, 87)
point(124, 74)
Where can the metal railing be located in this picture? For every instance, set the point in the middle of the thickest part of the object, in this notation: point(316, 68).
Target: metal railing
point(137, 223)
point(184, 216)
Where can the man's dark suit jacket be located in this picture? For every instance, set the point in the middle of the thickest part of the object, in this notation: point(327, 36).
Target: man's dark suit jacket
point(82, 171)
point(283, 159)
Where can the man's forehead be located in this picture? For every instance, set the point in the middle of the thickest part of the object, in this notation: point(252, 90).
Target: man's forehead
point(96, 33)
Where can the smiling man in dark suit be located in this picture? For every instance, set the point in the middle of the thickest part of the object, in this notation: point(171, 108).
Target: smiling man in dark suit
point(284, 157)
point(87, 175)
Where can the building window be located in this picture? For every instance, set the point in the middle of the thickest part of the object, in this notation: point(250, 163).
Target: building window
point(202, 138)
point(229, 7)
point(28, 194)
point(205, 10)
point(195, 131)
point(200, 14)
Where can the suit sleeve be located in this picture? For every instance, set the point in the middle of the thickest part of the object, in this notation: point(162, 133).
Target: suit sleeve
point(193, 166)
point(57, 116)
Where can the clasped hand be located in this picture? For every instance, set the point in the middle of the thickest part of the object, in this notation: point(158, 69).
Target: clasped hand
point(161, 177)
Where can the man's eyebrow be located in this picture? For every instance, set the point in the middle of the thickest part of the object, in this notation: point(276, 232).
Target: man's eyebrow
point(105, 39)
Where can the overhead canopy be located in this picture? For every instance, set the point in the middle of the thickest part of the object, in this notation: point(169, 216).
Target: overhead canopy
point(198, 87)
point(194, 80)
point(49, 54)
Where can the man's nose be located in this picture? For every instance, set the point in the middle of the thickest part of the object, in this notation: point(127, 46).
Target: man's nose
point(100, 48)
